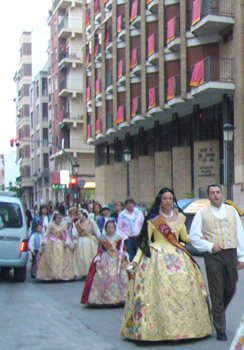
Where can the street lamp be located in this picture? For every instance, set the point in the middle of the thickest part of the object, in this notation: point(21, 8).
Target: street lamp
point(76, 168)
point(35, 177)
point(127, 157)
point(228, 130)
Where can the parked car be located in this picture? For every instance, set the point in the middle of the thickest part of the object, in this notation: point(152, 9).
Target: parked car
point(190, 207)
point(13, 236)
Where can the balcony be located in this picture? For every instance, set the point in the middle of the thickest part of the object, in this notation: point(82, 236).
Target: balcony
point(174, 44)
point(135, 62)
point(69, 60)
point(71, 118)
point(121, 28)
point(152, 5)
point(69, 87)
point(217, 79)
point(65, 4)
point(110, 124)
point(121, 73)
point(152, 49)
point(215, 16)
point(88, 22)
point(98, 94)
point(108, 41)
point(136, 112)
point(135, 17)
point(69, 28)
point(153, 109)
point(173, 92)
point(108, 5)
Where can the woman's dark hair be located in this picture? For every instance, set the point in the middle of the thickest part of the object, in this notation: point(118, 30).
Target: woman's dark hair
point(41, 207)
point(96, 203)
point(109, 222)
point(61, 209)
point(154, 211)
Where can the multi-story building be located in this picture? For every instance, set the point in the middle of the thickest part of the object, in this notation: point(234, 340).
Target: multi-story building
point(39, 138)
point(66, 98)
point(23, 78)
point(162, 78)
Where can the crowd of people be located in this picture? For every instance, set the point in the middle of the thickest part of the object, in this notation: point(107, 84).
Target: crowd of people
point(139, 259)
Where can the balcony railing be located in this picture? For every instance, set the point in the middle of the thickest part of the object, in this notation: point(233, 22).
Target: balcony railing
point(68, 55)
point(216, 69)
point(217, 7)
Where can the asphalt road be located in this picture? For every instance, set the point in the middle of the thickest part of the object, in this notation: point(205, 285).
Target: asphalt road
point(48, 316)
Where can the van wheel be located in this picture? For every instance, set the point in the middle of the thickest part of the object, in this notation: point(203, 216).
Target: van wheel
point(20, 274)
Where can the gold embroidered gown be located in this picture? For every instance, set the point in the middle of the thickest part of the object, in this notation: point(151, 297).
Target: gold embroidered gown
point(166, 299)
point(56, 256)
point(85, 248)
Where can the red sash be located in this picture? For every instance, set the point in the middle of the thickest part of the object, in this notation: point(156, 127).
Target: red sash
point(82, 233)
point(166, 231)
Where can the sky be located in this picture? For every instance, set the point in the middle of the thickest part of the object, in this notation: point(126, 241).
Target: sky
point(17, 17)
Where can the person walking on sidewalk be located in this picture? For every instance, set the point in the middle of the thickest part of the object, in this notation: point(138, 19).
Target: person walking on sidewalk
point(217, 230)
point(130, 222)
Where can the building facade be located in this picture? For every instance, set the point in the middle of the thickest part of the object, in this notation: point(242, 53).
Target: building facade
point(162, 78)
point(23, 79)
point(66, 107)
point(41, 191)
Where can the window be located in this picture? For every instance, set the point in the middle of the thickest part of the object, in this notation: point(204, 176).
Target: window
point(44, 111)
point(32, 121)
point(45, 136)
point(10, 215)
point(37, 89)
point(37, 114)
point(45, 161)
point(44, 86)
point(56, 54)
point(56, 111)
point(55, 25)
point(31, 97)
point(38, 138)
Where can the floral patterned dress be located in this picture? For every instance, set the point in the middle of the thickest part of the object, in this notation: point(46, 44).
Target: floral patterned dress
point(167, 296)
point(55, 259)
point(238, 341)
point(107, 285)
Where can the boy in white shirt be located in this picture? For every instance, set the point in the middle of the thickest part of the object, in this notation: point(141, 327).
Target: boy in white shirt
point(35, 243)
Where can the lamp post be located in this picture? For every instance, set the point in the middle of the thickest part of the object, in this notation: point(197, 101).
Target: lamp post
point(35, 177)
point(228, 130)
point(127, 157)
point(76, 168)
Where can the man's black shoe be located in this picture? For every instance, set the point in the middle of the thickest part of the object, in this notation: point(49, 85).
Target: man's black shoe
point(221, 336)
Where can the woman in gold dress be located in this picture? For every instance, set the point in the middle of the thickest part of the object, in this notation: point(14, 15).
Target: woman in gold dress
point(55, 261)
point(85, 238)
point(167, 298)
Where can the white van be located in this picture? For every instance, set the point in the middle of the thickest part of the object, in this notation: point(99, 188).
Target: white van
point(13, 236)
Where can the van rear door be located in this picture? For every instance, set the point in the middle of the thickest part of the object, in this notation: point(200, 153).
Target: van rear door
point(12, 230)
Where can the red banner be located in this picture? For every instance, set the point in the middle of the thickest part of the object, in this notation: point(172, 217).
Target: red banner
point(88, 131)
point(152, 98)
point(87, 18)
point(120, 68)
point(96, 7)
point(98, 126)
point(56, 179)
point(96, 48)
point(133, 60)
point(88, 93)
point(98, 90)
point(196, 11)
point(120, 115)
point(171, 88)
point(119, 23)
point(134, 106)
point(171, 30)
point(148, 1)
point(134, 11)
point(150, 45)
point(107, 37)
point(87, 58)
point(197, 77)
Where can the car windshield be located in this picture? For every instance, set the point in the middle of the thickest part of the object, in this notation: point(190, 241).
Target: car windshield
point(10, 215)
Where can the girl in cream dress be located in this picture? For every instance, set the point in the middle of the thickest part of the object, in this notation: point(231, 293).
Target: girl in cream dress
point(85, 238)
